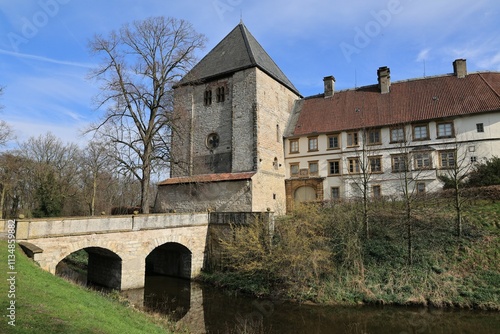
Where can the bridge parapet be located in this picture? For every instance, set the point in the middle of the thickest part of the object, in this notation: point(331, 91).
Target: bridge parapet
point(49, 228)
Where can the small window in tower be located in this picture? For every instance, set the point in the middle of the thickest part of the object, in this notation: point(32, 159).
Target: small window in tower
point(212, 141)
point(208, 97)
point(221, 97)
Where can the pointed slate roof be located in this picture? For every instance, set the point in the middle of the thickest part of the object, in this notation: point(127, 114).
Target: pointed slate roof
point(239, 50)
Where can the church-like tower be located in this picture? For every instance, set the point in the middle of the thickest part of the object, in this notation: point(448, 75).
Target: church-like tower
point(230, 112)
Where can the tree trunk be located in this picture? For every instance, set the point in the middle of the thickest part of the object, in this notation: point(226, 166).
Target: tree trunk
point(458, 210)
point(145, 181)
point(94, 194)
point(2, 201)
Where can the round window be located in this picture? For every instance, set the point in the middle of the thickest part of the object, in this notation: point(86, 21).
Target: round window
point(212, 141)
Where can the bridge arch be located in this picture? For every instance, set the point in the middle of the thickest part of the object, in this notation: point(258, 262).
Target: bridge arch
point(103, 268)
point(170, 259)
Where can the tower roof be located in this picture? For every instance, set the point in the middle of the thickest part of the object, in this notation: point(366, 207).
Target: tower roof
point(238, 51)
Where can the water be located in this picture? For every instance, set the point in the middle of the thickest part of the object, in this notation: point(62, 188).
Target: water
point(204, 309)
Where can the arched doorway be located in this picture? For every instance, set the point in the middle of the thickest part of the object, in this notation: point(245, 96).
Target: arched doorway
point(304, 194)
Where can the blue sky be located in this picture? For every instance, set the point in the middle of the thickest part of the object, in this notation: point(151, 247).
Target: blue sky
point(44, 59)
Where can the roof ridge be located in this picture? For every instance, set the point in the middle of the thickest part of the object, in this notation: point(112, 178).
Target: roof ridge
point(243, 30)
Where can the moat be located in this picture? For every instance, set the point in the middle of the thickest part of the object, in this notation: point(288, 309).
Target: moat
point(205, 309)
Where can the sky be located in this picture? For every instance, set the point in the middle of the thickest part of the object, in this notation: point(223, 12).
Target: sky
point(45, 61)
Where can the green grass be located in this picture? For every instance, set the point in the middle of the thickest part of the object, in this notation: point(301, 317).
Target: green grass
point(49, 304)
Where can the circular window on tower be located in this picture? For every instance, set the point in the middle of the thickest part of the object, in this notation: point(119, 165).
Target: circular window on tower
point(212, 141)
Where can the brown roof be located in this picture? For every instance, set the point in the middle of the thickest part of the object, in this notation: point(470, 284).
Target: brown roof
point(204, 178)
point(408, 101)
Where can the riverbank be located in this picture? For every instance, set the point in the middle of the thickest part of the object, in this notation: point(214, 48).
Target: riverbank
point(44, 303)
point(321, 255)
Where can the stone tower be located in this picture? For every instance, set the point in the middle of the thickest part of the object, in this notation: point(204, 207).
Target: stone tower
point(230, 112)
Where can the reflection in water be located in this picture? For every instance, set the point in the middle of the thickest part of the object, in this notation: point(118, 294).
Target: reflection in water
point(208, 310)
point(168, 295)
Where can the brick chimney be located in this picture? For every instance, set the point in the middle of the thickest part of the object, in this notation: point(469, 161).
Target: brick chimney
point(460, 68)
point(384, 79)
point(329, 83)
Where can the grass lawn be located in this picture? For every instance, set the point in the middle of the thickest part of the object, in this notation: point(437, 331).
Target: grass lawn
point(49, 304)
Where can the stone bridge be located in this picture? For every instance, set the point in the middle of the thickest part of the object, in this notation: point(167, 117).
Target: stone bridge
point(121, 248)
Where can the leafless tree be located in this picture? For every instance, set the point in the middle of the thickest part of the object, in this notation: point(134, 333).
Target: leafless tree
point(140, 64)
point(362, 167)
point(54, 170)
point(97, 165)
point(458, 167)
point(410, 167)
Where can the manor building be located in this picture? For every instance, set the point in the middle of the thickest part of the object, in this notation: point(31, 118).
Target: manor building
point(246, 140)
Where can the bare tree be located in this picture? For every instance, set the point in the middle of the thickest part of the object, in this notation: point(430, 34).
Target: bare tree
point(410, 164)
point(141, 62)
point(97, 163)
point(362, 168)
point(54, 170)
point(457, 167)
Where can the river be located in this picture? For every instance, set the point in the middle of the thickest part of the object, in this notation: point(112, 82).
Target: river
point(204, 309)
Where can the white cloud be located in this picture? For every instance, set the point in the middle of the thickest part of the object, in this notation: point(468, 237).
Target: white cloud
point(423, 55)
point(44, 59)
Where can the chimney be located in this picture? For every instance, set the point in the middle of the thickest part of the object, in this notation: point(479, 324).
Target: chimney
point(460, 68)
point(329, 83)
point(384, 79)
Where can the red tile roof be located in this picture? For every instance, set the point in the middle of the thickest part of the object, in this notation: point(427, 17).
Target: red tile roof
point(408, 101)
point(204, 178)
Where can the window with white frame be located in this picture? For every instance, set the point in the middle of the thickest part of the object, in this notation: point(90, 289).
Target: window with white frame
point(447, 159)
point(352, 139)
point(399, 163)
point(374, 137)
point(294, 169)
point(294, 145)
point(313, 144)
point(333, 141)
point(334, 167)
point(422, 160)
point(444, 130)
point(375, 164)
point(353, 165)
point(420, 132)
point(397, 135)
point(376, 191)
point(313, 168)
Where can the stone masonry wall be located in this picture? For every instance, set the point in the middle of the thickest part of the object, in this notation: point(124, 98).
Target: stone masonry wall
point(243, 118)
point(201, 197)
point(274, 104)
point(194, 122)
